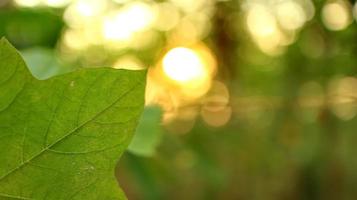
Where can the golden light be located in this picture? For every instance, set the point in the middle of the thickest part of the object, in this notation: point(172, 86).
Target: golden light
point(57, 3)
point(189, 5)
point(74, 39)
point(264, 29)
point(168, 16)
point(336, 15)
point(217, 97)
point(121, 1)
point(85, 9)
point(342, 97)
point(215, 110)
point(183, 65)
point(187, 71)
point(83, 12)
point(115, 27)
point(140, 16)
point(123, 23)
point(129, 62)
point(260, 21)
point(217, 118)
point(28, 3)
point(309, 9)
point(290, 14)
point(271, 44)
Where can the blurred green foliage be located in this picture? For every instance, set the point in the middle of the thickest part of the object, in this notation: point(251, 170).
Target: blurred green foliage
point(148, 133)
point(25, 28)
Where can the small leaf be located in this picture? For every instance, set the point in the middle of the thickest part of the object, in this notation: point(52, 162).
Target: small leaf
point(148, 134)
point(60, 138)
point(43, 63)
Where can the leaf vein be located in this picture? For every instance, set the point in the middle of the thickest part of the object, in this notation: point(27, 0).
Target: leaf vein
point(72, 131)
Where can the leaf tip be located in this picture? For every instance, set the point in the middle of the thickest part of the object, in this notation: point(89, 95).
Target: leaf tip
point(5, 42)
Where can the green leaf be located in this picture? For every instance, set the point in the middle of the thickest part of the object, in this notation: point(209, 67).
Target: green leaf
point(60, 138)
point(148, 133)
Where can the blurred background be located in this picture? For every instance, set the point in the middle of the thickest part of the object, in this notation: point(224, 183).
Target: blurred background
point(246, 99)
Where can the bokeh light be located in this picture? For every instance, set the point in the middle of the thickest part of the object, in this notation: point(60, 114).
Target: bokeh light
point(184, 65)
point(342, 97)
point(336, 15)
point(168, 16)
point(50, 3)
point(129, 62)
point(216, 111)
point(28, 3)
point(290, 14)
point(189, 69)
point(274, 26)
point(122, 24)
point(261, 22)
point(82, 13)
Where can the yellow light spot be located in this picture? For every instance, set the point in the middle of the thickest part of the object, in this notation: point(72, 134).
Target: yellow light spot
point(115, 27)
point(217, 118)
point(74, 39)
point(183, 65)
point(129, 62)
point(28, 3)
point(290, 14)
point(187, 70)
point(140, 16)
point(83, 12)
point(263, 27)
point(189, 5)
point(121, 1)
point(85, 9)
point(122, 24)
point(168, 16)
point(217, 97)
point(261, 22)
point(342, 97)
point(336, 15)
point(57, 3)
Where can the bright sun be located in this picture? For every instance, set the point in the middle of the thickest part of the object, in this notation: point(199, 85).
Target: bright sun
point(184, 65)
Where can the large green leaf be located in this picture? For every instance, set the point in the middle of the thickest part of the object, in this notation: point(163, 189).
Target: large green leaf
point(60, 138)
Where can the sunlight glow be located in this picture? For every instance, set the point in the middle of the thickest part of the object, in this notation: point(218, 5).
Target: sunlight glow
point(129, 62)
point(216, 110)
point(336, 15)
point(85, 9)
point(265, 31)
point(84, 12)
point(183, 65)
point(28, 3)
point(291, 15)
point(57, 3)
point(168, 16)
point(342, 93)
point(189, 5)
point(51, 3)
point(274, 25)
point(261, 22)
point(122, 24)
